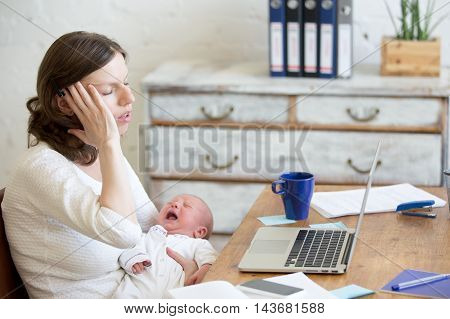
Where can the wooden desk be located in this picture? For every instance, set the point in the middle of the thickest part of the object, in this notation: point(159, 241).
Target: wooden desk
point(388, 244)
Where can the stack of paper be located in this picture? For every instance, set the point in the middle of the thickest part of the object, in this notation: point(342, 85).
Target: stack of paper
point(381, 199)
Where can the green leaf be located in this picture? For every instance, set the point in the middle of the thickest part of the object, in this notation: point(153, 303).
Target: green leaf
point(418, 20)
point(412, 25)
point(404, 16)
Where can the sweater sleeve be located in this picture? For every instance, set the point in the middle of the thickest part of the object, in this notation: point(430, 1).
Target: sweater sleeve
point(52, 186)
point(204, 252)
point(146, 211)
point(131, 256)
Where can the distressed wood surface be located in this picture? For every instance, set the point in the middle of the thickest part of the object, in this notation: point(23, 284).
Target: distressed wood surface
point(252, 77)
point(232, 107)
point(388, 244)
point(370, 111)
point(330, 112)
point(304, 125)
point(264, 154)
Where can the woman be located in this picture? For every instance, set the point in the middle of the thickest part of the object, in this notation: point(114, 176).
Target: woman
point(74, 203)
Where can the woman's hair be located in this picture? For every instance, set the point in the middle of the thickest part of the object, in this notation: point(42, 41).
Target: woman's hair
point(69, 59)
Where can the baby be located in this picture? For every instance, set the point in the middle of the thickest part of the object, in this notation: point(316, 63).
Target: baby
point(184, 224)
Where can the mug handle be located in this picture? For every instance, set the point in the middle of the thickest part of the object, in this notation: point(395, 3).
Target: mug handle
point(274, 187)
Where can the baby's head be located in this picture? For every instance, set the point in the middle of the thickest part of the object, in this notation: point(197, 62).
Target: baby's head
point(187, 215)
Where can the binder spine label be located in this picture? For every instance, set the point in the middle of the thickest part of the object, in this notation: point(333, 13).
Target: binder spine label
point(276, 47)
point(326, 48)
point(344, 50)
point(293, 40)
point(345, 38)
point(310, 47)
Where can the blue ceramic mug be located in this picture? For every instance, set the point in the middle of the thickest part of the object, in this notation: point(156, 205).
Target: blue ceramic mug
point(296, 190)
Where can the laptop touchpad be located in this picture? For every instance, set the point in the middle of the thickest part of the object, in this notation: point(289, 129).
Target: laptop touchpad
point(269, 246)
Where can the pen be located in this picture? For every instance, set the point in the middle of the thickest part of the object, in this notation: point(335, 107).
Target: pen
point(421, 281)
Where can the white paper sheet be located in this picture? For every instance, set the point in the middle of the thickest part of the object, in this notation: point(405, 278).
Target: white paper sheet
point(381, 199)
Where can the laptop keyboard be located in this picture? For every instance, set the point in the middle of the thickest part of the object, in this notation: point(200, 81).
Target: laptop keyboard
point(316, 248)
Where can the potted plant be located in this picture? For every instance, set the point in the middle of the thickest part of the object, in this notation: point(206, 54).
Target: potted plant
point(412, 52)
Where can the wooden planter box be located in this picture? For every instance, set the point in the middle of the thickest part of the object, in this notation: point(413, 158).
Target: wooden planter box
point(412, 58)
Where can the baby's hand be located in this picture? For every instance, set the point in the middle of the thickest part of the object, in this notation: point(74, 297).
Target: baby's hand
point(139, 267)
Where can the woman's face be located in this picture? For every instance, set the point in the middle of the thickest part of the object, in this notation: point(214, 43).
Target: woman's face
point(111, 82)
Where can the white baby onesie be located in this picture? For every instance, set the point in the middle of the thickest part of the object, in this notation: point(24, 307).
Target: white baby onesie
point(164, 273)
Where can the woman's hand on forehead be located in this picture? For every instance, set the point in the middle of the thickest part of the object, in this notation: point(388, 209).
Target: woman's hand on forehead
point(98, 122)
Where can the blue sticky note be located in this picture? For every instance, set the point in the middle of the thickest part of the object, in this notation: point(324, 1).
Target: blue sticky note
point(338, 225)
point(275, 220)
point(351, 291)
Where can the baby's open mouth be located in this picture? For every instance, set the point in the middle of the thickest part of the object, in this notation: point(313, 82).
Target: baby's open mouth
point(171, 216)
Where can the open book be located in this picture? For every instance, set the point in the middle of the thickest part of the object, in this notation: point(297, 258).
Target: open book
point(225, 290)
point(381, 199)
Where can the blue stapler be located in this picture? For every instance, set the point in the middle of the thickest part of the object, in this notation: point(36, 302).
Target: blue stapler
point(421, 208)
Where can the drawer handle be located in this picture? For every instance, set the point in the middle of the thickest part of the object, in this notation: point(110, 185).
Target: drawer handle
point(224, 115)
point(226, 165)
point(374, 111)
point(359, 170)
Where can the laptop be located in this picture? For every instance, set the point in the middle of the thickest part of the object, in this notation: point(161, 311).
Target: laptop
point(294, 249)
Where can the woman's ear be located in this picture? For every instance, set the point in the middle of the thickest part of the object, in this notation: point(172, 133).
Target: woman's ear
point(201, 232)
point(63, 106)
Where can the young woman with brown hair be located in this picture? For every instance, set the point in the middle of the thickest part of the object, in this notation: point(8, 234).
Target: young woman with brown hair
point(73, 202)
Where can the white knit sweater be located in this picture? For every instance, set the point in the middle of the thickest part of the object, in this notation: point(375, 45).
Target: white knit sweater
point(64, 244)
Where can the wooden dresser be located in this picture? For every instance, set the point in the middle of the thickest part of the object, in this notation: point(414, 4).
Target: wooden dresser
point(223, 132)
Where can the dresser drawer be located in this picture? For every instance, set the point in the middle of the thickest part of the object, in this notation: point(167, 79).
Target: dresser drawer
point(229, 202)
point(204, 152)
point(370, 111)
point(261, 155)
point(345, 157)
point(218, 108)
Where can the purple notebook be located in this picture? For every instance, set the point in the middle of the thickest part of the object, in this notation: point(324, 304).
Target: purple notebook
point(438, 289)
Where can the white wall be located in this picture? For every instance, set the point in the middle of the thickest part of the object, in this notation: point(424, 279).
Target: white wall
point(152, 31)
